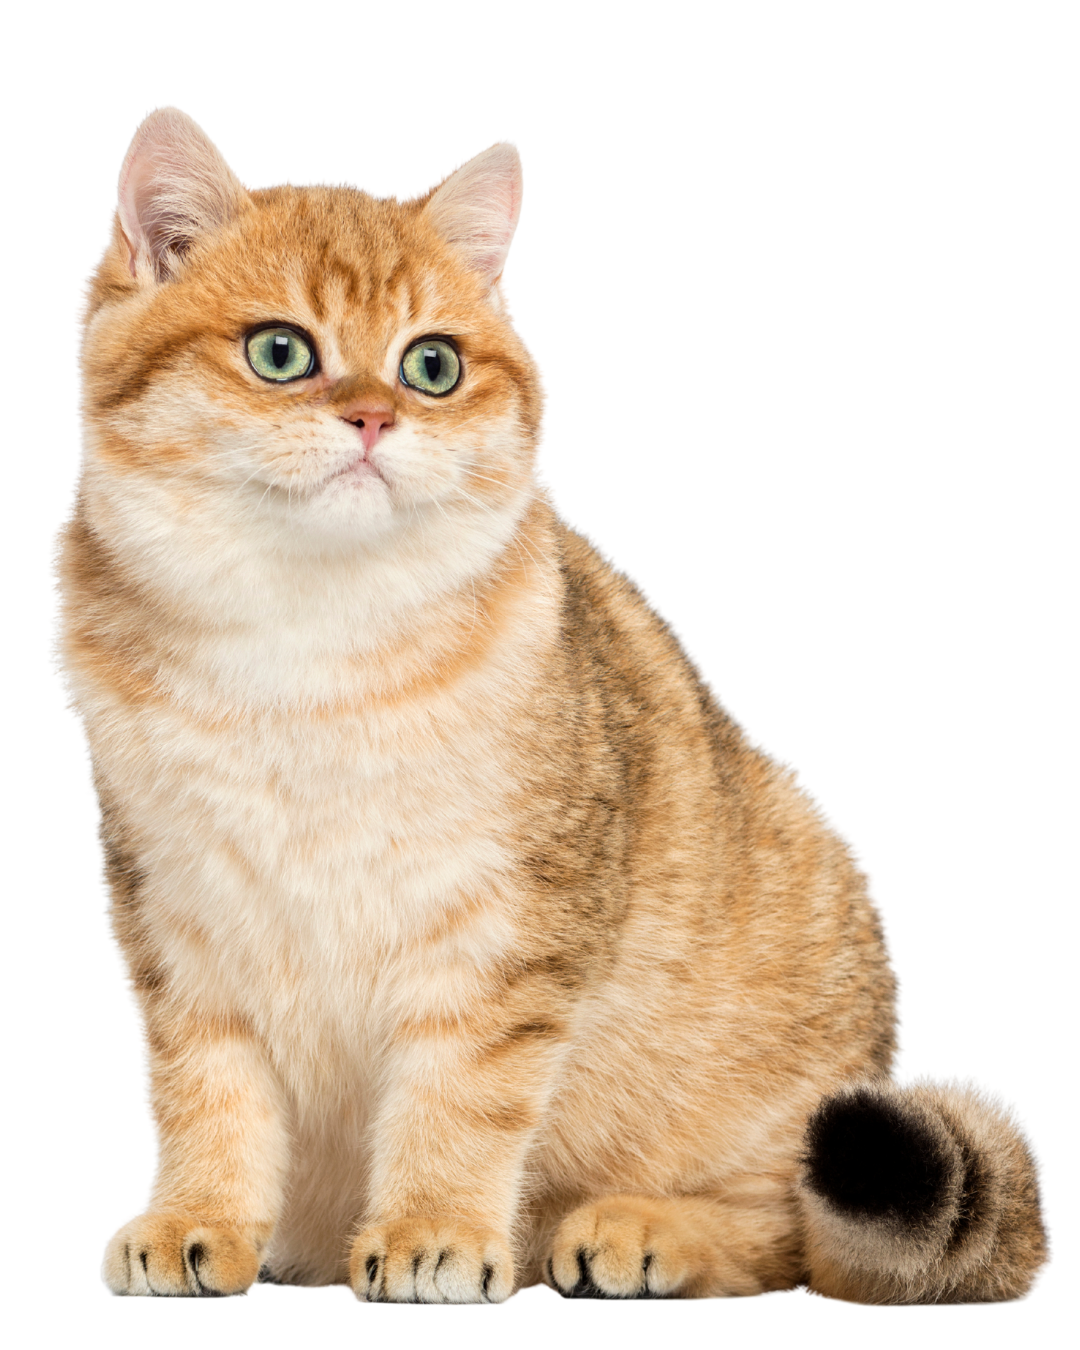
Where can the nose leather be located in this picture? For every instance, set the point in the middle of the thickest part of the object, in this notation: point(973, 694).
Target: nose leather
point(370, 419)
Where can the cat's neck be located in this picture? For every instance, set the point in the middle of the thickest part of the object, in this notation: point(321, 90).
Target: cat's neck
point(233, 619)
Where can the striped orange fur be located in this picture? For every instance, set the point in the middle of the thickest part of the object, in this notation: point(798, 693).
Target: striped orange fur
point(476, 945)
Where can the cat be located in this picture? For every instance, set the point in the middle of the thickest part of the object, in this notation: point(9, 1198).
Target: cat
point(476, 945)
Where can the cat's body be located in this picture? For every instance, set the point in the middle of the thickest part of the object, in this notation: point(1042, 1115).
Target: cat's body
point(463, 920)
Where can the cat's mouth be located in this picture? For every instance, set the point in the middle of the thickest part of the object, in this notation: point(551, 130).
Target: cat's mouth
point(359, 469)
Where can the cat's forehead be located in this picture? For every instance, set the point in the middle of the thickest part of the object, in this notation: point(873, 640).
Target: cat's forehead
point(362, 237)
point(348, 252)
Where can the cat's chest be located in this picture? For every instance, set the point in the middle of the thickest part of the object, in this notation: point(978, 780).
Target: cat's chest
point(358, 809)
point(302, 868)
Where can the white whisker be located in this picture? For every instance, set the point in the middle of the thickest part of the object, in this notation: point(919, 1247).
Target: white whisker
point(517, 539)
point(484, 478)
point(438, 506)
point(239, 490)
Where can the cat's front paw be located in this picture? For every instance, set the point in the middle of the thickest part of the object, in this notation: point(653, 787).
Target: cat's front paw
point(622, 1247)
point(431, 1260)
point(175, 1254)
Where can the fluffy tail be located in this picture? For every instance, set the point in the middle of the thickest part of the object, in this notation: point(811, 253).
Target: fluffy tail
point(919, 1195)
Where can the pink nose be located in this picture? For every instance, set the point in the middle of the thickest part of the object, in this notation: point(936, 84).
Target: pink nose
point(370, 419)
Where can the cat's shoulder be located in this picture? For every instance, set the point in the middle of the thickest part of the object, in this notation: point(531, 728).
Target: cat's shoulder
point(598, 593)
point(628, 653)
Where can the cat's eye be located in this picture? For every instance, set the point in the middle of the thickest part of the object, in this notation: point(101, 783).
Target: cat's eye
point(432, 366)
point(280, 354)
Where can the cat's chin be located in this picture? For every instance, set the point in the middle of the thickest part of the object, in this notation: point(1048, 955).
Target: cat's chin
point(353, 505)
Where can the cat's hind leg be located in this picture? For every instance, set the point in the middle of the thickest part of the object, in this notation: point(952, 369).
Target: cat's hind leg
point(919, 1195)
point(634, 1246)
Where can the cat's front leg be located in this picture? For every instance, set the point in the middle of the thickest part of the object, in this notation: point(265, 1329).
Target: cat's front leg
point(465, 1100)
point(223, 1151)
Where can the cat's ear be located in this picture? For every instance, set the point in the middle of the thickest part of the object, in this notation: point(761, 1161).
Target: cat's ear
point(174, 186)
point(476, 210)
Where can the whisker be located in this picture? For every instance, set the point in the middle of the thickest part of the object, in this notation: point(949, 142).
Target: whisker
point(472, 580)
point(486, 479)
point(460, 491)
point(240, 489)
point(517, 539)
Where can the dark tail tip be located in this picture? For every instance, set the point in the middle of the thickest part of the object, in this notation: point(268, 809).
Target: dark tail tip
point(869, 1155)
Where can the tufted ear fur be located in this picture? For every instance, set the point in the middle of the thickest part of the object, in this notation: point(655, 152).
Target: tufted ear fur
point(476, 209)
point(174, 186)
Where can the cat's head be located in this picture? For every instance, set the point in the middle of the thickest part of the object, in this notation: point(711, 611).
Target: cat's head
point(312, 366)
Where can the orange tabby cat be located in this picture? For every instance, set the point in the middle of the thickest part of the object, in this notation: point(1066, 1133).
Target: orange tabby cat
point(475, 944)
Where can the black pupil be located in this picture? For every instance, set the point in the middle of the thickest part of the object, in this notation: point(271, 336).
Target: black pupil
point(432, 363)
point(280, 351)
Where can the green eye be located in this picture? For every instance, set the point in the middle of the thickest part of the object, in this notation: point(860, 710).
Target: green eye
point(280, 354)
point(432, 366)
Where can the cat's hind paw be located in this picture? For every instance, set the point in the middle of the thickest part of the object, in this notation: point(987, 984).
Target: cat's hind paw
point(431, 1260)
point(175, 1254)
point(623, 1247)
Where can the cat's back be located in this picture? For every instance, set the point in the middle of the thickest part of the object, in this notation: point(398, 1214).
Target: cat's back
point(659, 717)
point(631, 720)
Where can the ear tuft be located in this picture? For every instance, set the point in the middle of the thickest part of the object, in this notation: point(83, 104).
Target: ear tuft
point(476, 210)
point(174, 186)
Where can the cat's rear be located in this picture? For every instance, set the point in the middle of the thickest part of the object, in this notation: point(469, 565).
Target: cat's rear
point(762, 956)
point(476, 945)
